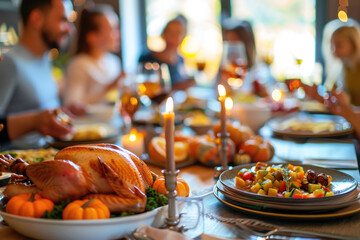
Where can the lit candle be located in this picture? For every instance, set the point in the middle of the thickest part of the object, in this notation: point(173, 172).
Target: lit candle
point(228, 106)
point(169, 127)
point(222, 98)
point(277, 95)
point(133, 142)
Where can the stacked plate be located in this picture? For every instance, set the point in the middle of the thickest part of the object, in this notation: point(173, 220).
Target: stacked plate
point(346, 199)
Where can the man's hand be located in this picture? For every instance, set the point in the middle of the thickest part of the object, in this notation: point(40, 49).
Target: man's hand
point(49, 123)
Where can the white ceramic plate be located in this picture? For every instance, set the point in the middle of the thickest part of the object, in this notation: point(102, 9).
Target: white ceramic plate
point(112, 228)
point(342, 127)
point(341, 185)
point(291, 207)
point(352, 209)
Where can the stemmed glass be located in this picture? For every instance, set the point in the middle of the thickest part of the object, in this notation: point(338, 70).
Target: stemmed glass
point(129, 103)
point(148, 81)
point(150, 87)
point(234, 64)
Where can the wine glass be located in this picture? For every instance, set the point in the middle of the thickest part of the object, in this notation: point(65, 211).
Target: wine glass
point(234, 64)
point(149, 86)
point(129, 103)
point(148, 81)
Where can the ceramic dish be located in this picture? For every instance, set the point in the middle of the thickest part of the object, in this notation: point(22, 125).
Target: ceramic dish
point(352, 209)
point(112, 228)
point(341, 185)
point(4, 179)
point(341, 126)
point(111, 135)
point(187, 162)
point(308, 208)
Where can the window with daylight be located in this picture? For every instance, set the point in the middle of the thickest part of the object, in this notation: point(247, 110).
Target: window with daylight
point(284, 32)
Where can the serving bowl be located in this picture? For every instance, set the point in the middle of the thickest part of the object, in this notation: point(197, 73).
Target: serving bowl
point(112, 228)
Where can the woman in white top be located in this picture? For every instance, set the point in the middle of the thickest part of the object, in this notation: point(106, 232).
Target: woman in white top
point(94, 70)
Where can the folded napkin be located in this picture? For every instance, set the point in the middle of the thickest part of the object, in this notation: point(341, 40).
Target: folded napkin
point(160, 234)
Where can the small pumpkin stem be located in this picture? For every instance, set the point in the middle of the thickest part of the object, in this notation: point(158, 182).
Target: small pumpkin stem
point(32, 197)
point(85, 205)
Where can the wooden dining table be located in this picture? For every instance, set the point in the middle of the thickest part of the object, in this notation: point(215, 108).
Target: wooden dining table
point(216, 216)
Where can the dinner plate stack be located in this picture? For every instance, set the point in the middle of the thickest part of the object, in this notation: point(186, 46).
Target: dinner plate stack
point(346, 199)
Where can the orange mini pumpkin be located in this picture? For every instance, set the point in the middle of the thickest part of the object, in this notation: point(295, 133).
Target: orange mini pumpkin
point(182, 187)
point(86, 209)
point(259, 149)
point(29, 205)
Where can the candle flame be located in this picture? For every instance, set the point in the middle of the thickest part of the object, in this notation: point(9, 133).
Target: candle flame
point(169, 105)
point(342, 15)
point(229, 103)
point(132, 137)
point(277, 95)
point(221, 90)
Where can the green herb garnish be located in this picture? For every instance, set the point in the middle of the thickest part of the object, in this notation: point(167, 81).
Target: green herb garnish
point(57, 211)
point(154, 199)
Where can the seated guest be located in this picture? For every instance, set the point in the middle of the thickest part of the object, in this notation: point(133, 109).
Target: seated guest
point(241, 32)
point(26, 80)
point(173, 34)
point(94, 70)
point(341, 50)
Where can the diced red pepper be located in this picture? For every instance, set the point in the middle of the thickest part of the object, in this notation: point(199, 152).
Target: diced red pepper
point(282, 187)
point(326, 189)
point(296, 195)
point(247, 176)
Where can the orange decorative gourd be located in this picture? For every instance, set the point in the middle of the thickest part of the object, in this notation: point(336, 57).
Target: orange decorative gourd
point(205, 149)
point(86, 209)
point(259, 149)
point(29, 205)
point(182, 187)
point(238, 133)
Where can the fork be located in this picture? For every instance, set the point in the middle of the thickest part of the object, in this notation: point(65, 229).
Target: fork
point(268, 233)
point(264, 230)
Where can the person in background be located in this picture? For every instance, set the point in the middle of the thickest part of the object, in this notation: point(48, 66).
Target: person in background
point(341, 51)
point(26, 80)
point(173, 34)
point(241, 31)
point(94, 70)
point(339, 103)
point(45, 122)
